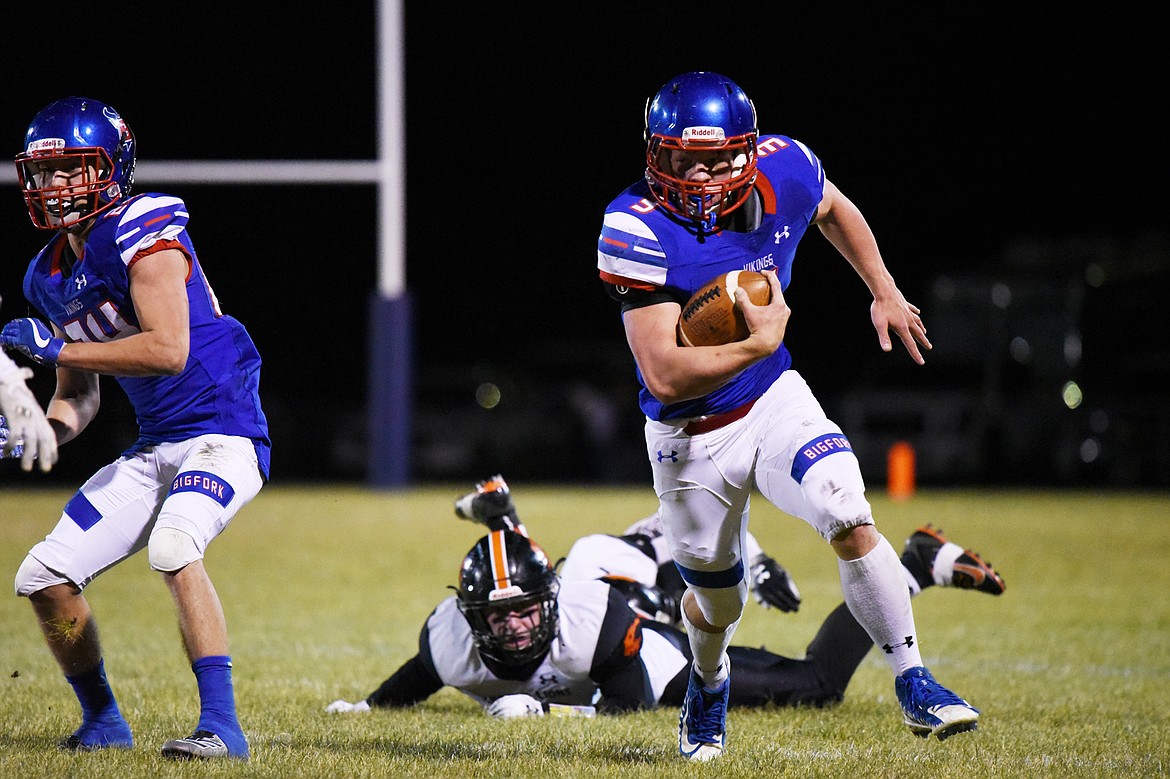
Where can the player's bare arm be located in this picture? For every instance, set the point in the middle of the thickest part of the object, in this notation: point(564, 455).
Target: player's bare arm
point(674, 373)
point(75, 401)
point(844, 225)
point(158, 289)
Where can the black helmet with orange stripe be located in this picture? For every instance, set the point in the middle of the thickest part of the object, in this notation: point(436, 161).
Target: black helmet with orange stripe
point(505, 572)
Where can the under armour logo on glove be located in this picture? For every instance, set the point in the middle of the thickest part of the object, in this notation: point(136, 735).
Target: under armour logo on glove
point(34, 339)
point(772, 586)
point(517, 705)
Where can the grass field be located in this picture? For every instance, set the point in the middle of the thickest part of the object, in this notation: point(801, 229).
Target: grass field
point(325, 591)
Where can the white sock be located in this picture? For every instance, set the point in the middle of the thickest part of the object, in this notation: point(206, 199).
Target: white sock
point(943, 568)
point(876, 592)
point(710, 651)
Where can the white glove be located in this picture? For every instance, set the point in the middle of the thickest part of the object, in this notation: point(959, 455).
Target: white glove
point(25, 421)
point(345, 707)
point(520, 705)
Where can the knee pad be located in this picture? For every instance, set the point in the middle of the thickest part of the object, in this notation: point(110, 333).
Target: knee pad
point(721, 605)
point(33, 576)
point(169, 550)
point(835, 491)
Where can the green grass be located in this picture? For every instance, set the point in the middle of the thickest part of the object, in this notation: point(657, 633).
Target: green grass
point(325, 591)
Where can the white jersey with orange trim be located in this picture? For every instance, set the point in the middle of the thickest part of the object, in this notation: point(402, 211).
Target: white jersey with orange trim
point(573, 672)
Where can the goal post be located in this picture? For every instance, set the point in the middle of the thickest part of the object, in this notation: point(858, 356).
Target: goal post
point(390, 367)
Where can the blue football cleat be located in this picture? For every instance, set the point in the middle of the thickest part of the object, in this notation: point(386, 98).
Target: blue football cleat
point(703, 720)
point(931, 709)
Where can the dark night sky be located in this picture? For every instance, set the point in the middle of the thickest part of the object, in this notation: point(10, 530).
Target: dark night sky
point(958, 131)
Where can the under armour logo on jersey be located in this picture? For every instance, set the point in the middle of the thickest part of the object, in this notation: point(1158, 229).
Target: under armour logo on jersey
point(889, 648)
point(80, 281)
point(673, 456)
point(784, 234)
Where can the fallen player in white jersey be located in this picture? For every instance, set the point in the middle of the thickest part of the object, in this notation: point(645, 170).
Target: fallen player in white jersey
point(523, 641)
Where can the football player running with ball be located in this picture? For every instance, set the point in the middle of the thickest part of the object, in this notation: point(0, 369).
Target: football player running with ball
point(724, 420)
point(124, 295)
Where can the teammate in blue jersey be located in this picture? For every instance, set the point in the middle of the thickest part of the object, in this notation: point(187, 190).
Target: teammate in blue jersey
point(125, 295)
point(724, 420)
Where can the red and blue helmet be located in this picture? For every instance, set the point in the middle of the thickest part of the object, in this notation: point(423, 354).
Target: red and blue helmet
point(700, 111)
point(75, 133)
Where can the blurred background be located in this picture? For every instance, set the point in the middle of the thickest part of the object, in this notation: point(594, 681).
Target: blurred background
point(1011, 161)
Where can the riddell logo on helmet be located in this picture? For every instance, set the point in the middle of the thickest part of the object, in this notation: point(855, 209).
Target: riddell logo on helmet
point(511, 591)
point(46, 144)
point(709, 134)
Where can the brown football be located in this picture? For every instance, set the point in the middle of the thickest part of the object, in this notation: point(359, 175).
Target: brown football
point(711, 316)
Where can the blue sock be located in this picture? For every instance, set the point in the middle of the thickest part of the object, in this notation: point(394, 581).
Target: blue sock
point(102, 723)
point(217, 702)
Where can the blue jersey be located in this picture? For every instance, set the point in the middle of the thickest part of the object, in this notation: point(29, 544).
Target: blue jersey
point(218, 390)
point(642, 245)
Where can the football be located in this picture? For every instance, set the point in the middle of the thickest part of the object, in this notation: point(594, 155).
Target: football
point(711, 317)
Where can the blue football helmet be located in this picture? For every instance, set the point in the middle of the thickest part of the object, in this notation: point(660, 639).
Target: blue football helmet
point(701, 112)
point(505, 571)
point(81, 135)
